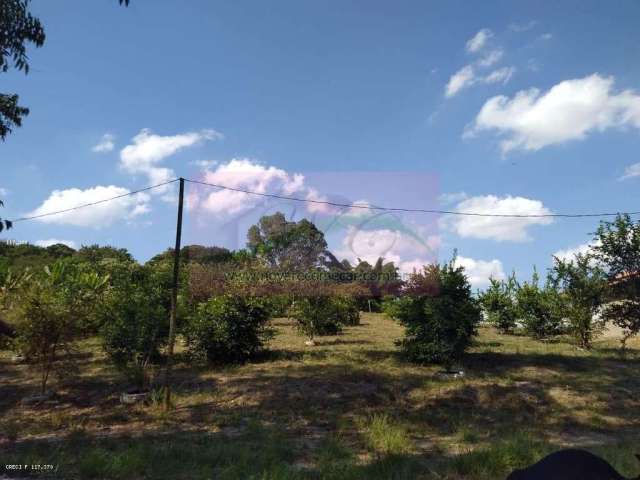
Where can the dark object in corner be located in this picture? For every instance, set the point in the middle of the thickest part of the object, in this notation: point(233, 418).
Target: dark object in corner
point(569, 464)
point(7, 330)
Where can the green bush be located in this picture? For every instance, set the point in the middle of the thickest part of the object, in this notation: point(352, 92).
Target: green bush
point(499, 304)
point(439, 314)
point(540, 309)
point(228, 329)
point(324, 314)
point(134, 320)
point(347, 310)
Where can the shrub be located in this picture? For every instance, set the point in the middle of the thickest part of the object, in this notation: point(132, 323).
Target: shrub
point(583, 286)
point(228, 329)
point(347, 311)
point(499, 305)
point(134, 321)
point(316, 316)
point(439, 325)
point(56, 309)
point(540, 309)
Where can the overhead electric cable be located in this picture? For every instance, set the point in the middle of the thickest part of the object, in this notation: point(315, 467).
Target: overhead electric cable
point(411, 210)
point(77, 207)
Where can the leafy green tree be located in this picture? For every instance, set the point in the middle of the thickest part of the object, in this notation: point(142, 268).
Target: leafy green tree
point(617, 249)
point(583, 285)
point(439, 325)
point(539, 308)
point(95, 253)
point(4, 224)
point(228, 329)
point(55, 310)
point(316, 315)
point(134, 319)
point(293, 246)
point(499, 304)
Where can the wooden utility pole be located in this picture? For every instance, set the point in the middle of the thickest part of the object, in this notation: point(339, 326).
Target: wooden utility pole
point(174, 301)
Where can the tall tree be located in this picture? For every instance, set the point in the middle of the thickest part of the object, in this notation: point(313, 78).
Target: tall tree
point(617, 248)
point(288, 245)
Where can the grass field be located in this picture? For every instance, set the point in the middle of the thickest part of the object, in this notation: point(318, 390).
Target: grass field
point(346, 408)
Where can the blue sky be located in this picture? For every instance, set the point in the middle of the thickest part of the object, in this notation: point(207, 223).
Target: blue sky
point(508, 107)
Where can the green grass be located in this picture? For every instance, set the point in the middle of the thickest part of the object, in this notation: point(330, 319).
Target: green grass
point(348, 408)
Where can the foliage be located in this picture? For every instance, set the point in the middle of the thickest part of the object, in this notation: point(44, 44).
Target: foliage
point(134, 319)
point(439, 324)
point(318, 315)
point(583, 286)
point(197, 254)
point(499, 304)
point(4, 224)
point(228, 329)
point(381, 279)
point(56, 309)
point(289, 245)
point(617, 248)
point(17, 28)
point(539, 308)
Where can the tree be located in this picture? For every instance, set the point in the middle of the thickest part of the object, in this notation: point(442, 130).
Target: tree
point(293, 246)
point(583, 285)
point(54, 311)
point(134, 320)
point(439, 326)
point(499, 304)
point(18, 28)
point(617, 249)
point(228, 329)
point(4, 224)
point(539, 308)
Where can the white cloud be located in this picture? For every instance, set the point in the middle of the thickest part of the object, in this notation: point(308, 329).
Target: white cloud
point(480, 271)
point(546, 36)
point(479, 40)
point(100, 215)
point(146, 152)
point(408, 249)
point(501, 75)
point(449, 198)
point(568, 111)
point(4, 191)
point(245, 174)
point(497, 228)
point(631, 171)
point(494, 56)
point(463, 78)
point(106, 144)
point(570, 253)
point(55, 241)
point(204, 164)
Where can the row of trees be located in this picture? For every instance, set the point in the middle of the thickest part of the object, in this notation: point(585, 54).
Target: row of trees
point(580, 295)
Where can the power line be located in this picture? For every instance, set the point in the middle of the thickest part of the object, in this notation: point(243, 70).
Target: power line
point(333, 204)
point(412, 210)
point(77, 207)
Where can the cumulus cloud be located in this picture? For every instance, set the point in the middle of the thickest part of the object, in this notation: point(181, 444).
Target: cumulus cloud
point(479, 40)
point(4, 191)
point(408, 249)
point(631, 171)
point(97, 216)
point(568, 111)
point(569, 254)
point(148, 150)
point(106, 144)
point(55, 241)
point(245, 174)
point(497, 228)
point(480, 271)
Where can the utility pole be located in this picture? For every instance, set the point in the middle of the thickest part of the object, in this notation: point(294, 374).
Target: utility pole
point(174, 301)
